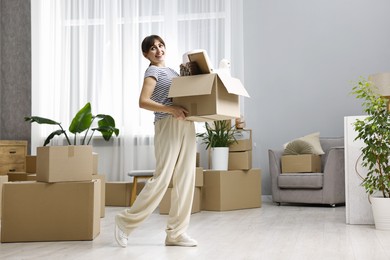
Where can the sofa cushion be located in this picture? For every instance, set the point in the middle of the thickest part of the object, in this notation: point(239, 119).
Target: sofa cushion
point(314, 140)
point(301, 180)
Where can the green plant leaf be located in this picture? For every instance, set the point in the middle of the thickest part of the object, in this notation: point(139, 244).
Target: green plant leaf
point(82, 120)
point(41, 120)
point(107, 126)
point(107, 131)
point(218, 135)
point(48, 139)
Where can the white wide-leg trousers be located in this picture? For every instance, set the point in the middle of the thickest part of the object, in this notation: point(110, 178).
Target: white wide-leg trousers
point(175, 151)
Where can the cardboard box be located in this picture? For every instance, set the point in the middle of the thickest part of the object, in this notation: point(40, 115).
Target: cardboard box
point(21, 176)
point(31, 163)
point(118, 193)
point(102, 179)
point(3, 178)
point(301, 163)
point(198, 178)
point(240, 160)
point(95, 163)
point(231, 190)
point(165, 204)
point(38, 211)
point(244, 141)
point(64, 163)
point(208, 97)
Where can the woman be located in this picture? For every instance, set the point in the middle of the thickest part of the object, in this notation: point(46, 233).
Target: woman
point(175, 151)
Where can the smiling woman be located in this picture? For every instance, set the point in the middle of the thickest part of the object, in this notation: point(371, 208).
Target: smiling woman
point(88, 51)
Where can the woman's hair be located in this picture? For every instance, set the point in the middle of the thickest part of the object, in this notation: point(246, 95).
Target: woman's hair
point(148, 42)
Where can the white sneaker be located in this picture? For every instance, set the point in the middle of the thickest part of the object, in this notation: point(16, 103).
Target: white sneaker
point(120, 236)
point(182, 240)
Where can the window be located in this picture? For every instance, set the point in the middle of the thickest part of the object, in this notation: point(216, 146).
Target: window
point(89, 51)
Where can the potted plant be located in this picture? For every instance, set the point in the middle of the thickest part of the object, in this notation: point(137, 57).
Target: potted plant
point(81, 122)
point(75, 161)
point(374, 132)
point(218, 137)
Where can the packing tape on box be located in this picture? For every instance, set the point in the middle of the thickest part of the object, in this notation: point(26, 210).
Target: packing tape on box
point(70, 151)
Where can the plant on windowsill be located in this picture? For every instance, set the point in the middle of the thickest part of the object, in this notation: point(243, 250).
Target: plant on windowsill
point(218, 138)
point(374, 132)
point(81, 122)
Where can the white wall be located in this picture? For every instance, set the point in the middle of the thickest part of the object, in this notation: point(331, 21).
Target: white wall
point(300, 59)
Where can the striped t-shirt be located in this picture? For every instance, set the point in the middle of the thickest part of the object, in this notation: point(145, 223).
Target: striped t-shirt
point(163, 76)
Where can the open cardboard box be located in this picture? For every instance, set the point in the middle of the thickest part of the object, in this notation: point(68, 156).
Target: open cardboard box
point(208, 97)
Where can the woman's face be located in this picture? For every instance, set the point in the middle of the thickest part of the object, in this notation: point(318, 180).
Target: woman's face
point(156, 54)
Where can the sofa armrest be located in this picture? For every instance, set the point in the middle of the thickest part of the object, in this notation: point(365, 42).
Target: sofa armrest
point(274, 157)
point(334, 176)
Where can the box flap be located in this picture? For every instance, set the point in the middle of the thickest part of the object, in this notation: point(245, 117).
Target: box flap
point(233, 85)
point(191, 85)
point(201, 58)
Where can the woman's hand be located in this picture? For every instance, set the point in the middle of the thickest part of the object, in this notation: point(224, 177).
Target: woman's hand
point(178, 112)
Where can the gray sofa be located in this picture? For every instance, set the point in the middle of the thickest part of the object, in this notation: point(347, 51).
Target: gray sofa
point(325, 187)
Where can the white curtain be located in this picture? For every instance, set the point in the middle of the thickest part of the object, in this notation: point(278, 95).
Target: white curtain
point(89, 51)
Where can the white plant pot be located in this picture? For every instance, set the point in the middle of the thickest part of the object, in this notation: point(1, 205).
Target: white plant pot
point(381, 212)
point(219, 158)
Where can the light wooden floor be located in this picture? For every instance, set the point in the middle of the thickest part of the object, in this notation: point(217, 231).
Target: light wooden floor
point(270, 232)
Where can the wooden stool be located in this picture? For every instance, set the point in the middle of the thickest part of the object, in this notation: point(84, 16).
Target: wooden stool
point(138, 174)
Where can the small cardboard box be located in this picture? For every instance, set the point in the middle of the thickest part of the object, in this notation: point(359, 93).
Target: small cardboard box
point(38, 211)
point(118, 193)
point(21, 176)
point(240, 160)
point(3, 178)
point(231, 190)
point(31, 163)
point(102, 179)
point(64, 163)
point(301, 163)
point(165, 204)
point(244, 141)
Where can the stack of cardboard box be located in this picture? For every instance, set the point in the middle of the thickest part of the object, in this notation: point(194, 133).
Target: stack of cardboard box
point(240, 153)
point(240, 186)
point(63, 204)
point(165, 203)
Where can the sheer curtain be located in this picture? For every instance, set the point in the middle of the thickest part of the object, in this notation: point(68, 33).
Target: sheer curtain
point(89, 51)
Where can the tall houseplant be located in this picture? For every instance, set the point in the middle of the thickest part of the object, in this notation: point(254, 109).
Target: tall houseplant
point(218, 137)
point(81, 122)
point(374, 132)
